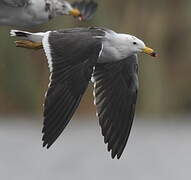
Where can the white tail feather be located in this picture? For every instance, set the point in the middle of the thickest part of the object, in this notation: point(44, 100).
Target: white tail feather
point(35, 37)
point(19, 33)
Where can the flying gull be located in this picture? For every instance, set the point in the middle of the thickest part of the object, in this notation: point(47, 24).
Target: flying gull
point(76, 56)
point(35, 12)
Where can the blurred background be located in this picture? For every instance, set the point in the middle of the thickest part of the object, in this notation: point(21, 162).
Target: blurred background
point(159, 145)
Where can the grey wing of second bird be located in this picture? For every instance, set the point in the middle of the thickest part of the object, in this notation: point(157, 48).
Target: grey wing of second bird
point(15, 3)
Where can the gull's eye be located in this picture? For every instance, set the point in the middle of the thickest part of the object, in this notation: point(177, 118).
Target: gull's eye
point(134, 43)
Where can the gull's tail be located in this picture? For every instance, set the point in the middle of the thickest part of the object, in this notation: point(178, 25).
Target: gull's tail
point(29, 40)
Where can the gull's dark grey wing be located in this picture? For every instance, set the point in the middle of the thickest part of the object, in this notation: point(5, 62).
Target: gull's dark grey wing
point(71, 58)
point(115, 91)
point(15, 3)
point(87, 8)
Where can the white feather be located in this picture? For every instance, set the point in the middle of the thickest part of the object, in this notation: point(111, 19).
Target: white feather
point(47, 49)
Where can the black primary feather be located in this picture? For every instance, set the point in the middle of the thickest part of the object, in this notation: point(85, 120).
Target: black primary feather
point(74, 53)
point(116, 86)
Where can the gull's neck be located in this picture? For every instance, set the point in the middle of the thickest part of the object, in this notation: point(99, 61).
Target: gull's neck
point(115, 47)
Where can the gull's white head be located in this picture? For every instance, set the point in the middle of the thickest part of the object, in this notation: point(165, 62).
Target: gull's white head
point(62, 7)
point(136, 45)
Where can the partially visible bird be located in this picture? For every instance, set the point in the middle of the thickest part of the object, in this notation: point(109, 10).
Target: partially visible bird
point(74, 57)
point(35, 12)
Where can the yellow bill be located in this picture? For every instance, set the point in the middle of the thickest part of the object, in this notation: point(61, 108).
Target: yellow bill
point(75, 12)
point(149, 51)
